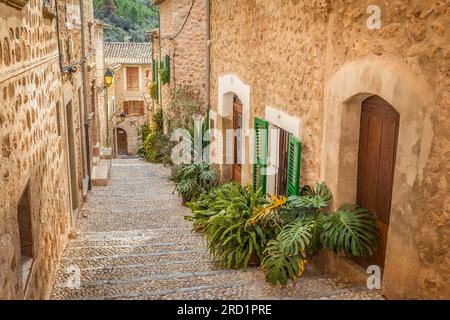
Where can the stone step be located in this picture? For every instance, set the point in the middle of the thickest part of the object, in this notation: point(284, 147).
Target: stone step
point(139, 271)
point(157, 285)
point(136, 236)
point(88, 252)
point(142, 258)
point(100, 176)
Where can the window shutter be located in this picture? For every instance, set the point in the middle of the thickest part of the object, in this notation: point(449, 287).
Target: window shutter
point(126, 107)
point(293, 166)
point(132, 78)
point(260, 154)
point(141, 107)
point(154, 70)
point(167, 62)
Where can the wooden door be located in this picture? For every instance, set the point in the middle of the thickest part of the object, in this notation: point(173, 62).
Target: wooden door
point(237, 126)
point(376, 164)
point(281, 179)
point(122, 142)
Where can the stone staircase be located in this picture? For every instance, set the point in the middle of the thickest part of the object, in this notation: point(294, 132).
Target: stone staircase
point(101, 171)
point(134, 244)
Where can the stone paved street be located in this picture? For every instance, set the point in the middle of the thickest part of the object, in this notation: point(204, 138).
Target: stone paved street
point(133, 243)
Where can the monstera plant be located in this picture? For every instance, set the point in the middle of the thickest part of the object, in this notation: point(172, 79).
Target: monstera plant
point(306, 229)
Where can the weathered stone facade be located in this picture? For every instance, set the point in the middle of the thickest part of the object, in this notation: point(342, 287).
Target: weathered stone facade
point(182, 36)
point(315, 61)
point(185, 45)
point(118, 94)
point(34, 165)
point(119, 57)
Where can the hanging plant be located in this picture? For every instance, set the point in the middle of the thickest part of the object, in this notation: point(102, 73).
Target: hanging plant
point(153, 89)
point(164, 74)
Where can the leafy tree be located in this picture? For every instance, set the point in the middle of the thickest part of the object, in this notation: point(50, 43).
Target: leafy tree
point(130, 19)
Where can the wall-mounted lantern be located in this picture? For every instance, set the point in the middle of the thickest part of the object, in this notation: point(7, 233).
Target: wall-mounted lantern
point(122, 116)
point(109, 75)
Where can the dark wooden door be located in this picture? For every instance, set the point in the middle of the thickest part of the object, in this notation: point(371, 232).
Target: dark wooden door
point(237, 126)
point(376, 164)
point(122, 142)
point(281, 179)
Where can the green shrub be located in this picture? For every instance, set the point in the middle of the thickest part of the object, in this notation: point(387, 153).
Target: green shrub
point(195, 179)
point(233, 240)
point(164, 74)
point(307, 229)
point(157, 146)
point(243, 229)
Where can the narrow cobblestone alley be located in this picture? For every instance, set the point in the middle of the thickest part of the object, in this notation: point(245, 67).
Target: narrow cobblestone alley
point(133, 243)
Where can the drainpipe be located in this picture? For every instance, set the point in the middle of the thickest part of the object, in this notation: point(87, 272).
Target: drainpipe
point(208, 55)
point(84, 80)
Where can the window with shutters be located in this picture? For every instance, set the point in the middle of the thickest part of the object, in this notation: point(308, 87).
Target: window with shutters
point(134, 108)
point(132, 78)
point(293, 166)
point(260, 154)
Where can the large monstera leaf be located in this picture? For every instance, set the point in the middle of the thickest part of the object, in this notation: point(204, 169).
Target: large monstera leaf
point(296, 237)
point(281, 267)
point(352, 230)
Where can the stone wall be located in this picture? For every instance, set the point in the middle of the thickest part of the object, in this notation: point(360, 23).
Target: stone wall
point(185, 42)
point(33, 137)
point(291, 54)
point(132, 123)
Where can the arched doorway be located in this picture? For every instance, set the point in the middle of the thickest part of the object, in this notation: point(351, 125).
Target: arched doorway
point(231, 87)
point(412, 98)
point(379, 126)
point(122, 142)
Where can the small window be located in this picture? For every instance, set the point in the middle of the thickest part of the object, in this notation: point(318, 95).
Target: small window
point(113, 104)
point(134, 107)
point(58, 118)
point(24, 214)
point(132, 78)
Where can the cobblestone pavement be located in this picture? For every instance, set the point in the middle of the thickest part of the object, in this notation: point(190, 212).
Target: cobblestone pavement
point(133, 243)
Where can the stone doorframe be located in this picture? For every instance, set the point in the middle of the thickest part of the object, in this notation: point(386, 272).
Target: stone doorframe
point(230, 85)
point(282, 120)
point(412, 98)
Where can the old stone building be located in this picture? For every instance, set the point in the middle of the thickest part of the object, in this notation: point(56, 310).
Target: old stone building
point(130, 105)
point(48, 127)
point(180, 45)
point(362, 88)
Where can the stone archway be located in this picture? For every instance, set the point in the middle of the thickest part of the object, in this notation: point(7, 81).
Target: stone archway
point(412, 98)
point(122, 142)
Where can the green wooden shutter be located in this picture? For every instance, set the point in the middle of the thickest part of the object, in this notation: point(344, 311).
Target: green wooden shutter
point(260, 154)
point(154, 70)
point(167, 63)
point(293, 166)
point(207, 136)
